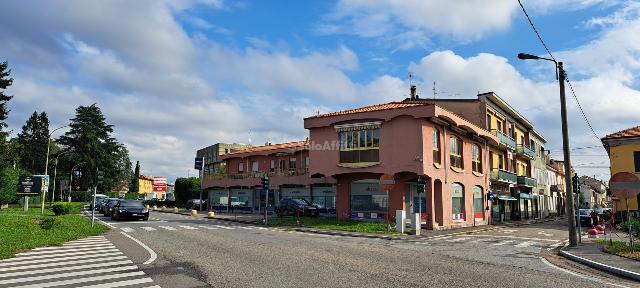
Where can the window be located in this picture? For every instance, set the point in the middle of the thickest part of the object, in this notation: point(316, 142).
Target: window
point(501, 162)
point(476, 158)
point(457, 201)
point(478, 202)
point(306, 162)
point(489, 122)
point(241, 168)
point(254, 166)
point(636, 160)
point(436, 146)
point(272, 166)
point(456, 152)
point(292, 164)
point(499, 125)
point(360, 146)
point(281, 165)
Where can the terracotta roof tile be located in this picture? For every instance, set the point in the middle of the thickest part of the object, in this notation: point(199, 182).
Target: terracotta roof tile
point(289, 145)
point(378, 107)
point(631, 132)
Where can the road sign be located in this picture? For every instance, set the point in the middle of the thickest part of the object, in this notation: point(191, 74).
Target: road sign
point(624, 185)
point(29, 185)
point(387, 182)
point(198, 163)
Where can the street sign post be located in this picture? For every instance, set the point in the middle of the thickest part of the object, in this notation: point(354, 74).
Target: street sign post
point(198, 165)
point(28, 186)
point(625, 185)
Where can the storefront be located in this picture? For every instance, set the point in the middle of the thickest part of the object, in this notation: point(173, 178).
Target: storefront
point(325, 197)
point(219, 199)
point(415, 203)
point(260, 196)
point(368, 201)
point(502, 208)
point(295, 193)
point(527, 206)
point(241, 200)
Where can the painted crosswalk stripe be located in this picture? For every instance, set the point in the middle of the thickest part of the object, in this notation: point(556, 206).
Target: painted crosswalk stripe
point(69, 274)
point(458, 239)
point(187, 227)
point(127, 229)
point(2, 269)
point(208, 227)
point(167, 228)
point(82, 280)
point(72, 247)
point(503, 242)
point(45, 260)
point(66, 268)
point(57, 251)
point(525, 244)
point(122, 283)
point(149, 228)
point(224, 227)
point(35, 256)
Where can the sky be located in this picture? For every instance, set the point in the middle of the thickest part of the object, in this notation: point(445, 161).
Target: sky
point(174, 76)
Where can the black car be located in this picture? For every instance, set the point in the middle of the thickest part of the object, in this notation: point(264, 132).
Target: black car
point(108, 207)
point(97, 203)
point(100, 205)
point(297, 207)
point(585, 217)
point(129, 209)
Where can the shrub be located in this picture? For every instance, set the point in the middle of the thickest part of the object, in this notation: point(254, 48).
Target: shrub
point(635, 226)
point(61, 208)
point(47, 223)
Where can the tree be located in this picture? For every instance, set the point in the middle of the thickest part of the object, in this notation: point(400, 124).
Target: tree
point(5, 82)
point(134, 179)
point(186, 188)
point(9, 185)
point(90, 145)
point(34, 139)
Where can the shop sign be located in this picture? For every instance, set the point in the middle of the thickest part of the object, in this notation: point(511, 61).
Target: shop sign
point(387, 182)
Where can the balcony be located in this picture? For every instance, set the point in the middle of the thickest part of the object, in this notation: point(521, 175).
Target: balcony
point(504, 139)
point(503, 176)
point(526, 181)
point(525, 151)
point(557, 188)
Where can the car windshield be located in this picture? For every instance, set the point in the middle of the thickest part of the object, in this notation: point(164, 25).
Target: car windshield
point(300, 201)
point(131, 204)
point(585, 212)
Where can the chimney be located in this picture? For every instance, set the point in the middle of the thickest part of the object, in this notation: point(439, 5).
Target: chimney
point(413, 92)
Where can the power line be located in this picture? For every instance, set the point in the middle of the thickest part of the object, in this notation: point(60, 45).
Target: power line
point(575, 97)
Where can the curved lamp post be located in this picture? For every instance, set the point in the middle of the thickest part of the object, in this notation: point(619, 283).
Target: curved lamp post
point(46, 165)
point(561, 76)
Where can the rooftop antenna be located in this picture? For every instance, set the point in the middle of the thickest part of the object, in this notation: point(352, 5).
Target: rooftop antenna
point(434, 90)
point(412, 88)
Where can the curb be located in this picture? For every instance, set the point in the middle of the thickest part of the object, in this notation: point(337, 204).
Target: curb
point(598, 265)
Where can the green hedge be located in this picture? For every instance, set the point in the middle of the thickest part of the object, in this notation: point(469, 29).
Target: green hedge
point(61, 208)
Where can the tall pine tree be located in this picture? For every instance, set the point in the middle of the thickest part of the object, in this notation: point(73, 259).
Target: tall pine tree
point(33, 141)
point(5, 82)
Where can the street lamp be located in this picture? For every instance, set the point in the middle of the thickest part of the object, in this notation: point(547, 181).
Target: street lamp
point(560, 75)
point(55, 173)
point(46, 165)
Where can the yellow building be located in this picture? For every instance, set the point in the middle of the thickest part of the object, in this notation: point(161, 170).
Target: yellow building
point(623, 148)
point(145, 184)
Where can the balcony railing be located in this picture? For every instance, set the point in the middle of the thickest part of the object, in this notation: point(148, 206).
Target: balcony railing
point(525, 151)
point(504, 139)
point(526, 181)
point(500, 175)
point(557, 188)
point(258, 174)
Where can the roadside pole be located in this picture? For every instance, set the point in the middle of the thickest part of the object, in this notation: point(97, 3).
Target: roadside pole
point(93, 209)
point(266, 204)
point(201, 188)
point(26, 204)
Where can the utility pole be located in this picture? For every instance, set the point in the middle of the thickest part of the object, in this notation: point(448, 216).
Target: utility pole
point(571, 214)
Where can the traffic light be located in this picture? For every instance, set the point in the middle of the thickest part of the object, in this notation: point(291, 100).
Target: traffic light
point(99, 177)
point(575, 184)
point(265, 181)
point(421, 185)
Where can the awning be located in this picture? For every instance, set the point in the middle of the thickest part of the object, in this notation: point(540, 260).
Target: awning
point(507, 198)
point(525, 196)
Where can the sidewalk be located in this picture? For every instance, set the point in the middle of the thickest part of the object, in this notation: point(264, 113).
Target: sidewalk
point(257, 219)
point(591, 254)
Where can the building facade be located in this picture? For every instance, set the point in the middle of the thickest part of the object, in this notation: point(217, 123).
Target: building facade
point(623, 148)
point(211, 155)
point(542, 189)
point(145, 187)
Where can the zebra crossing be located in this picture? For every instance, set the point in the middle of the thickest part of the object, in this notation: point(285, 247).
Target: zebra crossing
point(89, 262)
point(491, 240)
point(168, 227)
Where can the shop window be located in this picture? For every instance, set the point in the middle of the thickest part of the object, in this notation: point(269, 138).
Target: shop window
point(436, 146)
point(476, 157)
point(241, 168)
point(478, 202)
point(456, 152)
point(272, 166)
point(457, 201)
point(360, 146)
point(368, 197)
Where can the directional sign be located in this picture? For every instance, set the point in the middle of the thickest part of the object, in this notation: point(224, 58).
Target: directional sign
point(198, 163)
point(624, 185)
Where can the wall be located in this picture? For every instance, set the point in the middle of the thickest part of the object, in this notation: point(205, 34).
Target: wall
point(621, 158)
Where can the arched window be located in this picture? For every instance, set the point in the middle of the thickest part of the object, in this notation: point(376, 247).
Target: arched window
point(476, 157)
point(457, 201)
point(456, 152)
point(436, 146)
point(478, 202)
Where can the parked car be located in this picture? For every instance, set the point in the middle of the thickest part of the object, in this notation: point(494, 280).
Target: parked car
point(132, 209)
point(101, 206)
point(108, 207)
point(99, 198)
point(585, 217)
point(296, 207)
point(196, 203)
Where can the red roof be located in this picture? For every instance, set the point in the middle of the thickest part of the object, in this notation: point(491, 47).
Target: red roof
point(289, 145)
point(378, 107)
point(631, 132)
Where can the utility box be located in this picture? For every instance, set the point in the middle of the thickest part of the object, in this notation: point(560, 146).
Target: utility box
point(400, 221)
point(416, 226)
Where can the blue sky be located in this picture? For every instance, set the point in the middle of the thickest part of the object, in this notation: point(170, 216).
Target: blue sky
point(177, 75)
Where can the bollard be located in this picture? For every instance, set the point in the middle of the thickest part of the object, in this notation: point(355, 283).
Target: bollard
point(211, 214)
point(147, 206)
point(400, 221)
point(155, 208)
point(194, 212)
point(416, 224)
point(175, 210)
point(593, 233)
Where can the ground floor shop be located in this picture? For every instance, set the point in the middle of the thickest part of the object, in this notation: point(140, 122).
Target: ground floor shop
point(256, 200)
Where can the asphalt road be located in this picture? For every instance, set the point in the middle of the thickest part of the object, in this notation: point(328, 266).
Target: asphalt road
point(211, 253)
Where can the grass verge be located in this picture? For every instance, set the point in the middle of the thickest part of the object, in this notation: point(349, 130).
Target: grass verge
point(21, 231)
point(375, 227)
point(621, 248)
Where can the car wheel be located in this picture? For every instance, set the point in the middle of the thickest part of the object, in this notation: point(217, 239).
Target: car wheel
point(145, 219)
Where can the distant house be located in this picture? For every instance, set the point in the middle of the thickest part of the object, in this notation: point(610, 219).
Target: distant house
point(623, 148)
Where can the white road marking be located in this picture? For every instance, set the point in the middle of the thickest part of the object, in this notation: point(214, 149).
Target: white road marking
point(148, 228)
point(545, 234)
point(224, 227)
point(59, 248)
point(81, 280)
point(58, 259)
point(152, 254)
point(63, 263)
point(508, 231)
point(122, 283)
point(512, 237)
point(458, 239)
point(208, 227)
point(526, 244)
point(167, 228)
point(36, 256)
point(65, 268)
point(127, 229)
point(69, 274)
point(45, 252)
point(187, 227)
point(580, 275)
point(503, 242)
